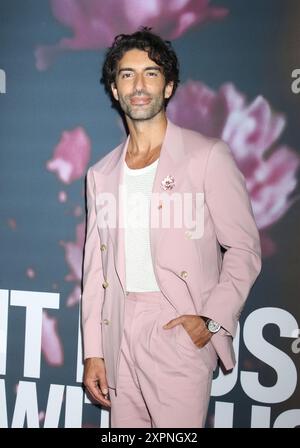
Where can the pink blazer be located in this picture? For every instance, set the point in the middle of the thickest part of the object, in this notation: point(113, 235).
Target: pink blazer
point(214, 284)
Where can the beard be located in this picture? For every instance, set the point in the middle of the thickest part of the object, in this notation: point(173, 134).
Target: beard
point(142, 112)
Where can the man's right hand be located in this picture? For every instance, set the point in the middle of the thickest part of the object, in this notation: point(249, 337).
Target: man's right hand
point(94, 379)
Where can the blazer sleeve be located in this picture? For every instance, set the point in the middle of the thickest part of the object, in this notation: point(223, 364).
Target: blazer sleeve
point(231, 212)
point(92, 293)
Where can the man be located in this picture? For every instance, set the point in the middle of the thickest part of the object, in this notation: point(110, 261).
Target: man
point(161, 301)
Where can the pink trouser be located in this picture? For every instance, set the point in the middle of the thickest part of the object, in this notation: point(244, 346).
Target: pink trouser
point(164, 378)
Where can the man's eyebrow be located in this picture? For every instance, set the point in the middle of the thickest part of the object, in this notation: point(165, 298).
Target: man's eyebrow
point(153, 67)
point(130, 69)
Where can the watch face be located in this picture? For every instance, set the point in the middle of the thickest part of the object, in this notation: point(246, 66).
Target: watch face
point(213, 326)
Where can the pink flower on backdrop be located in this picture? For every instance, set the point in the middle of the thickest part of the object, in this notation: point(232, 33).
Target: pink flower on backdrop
point(12, 223)
point(251, 130)
point(71, 155)
point(62, 196)
point(73, 257)
point(77, 211)
point(95, 23)
point(31, 273)
point(52, 348)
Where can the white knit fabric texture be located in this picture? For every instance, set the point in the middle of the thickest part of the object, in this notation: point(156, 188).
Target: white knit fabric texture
point(138, 183)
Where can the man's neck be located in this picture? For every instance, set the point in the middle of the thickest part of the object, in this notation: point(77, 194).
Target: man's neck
point(146, 136)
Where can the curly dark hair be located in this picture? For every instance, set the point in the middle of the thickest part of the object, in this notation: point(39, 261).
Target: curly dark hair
point(160, 51)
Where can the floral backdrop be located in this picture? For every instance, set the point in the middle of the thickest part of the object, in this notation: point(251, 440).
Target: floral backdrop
point(236, 62)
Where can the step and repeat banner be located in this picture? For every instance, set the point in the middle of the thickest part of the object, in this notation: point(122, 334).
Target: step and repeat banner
point(240, 81)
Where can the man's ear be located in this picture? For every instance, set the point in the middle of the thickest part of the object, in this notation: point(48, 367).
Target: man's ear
point(169, 89)
point(114, 91)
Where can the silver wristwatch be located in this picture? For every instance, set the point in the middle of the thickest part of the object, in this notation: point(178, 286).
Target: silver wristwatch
point(211, 325)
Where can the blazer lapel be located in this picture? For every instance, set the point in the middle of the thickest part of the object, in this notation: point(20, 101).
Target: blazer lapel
point(169, 164)
point(113, 185)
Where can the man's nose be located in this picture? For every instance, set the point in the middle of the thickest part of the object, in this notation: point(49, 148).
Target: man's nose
point(139, 81)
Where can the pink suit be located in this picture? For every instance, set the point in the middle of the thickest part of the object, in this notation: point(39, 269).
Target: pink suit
point(193, 275)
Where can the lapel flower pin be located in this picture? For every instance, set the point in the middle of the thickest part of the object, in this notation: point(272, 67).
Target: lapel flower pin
point(168, 182)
